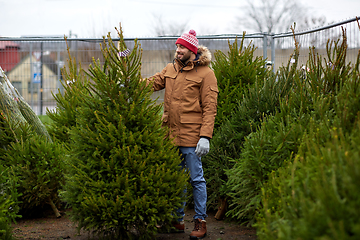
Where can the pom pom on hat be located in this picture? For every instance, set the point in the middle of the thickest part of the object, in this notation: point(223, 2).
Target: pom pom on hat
point(189, 41)
point(192, 32)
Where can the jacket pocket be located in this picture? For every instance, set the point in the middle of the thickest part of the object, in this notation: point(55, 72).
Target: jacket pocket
point(170, 74)
point(192, 86)
point(195, 119)
point(194, 79)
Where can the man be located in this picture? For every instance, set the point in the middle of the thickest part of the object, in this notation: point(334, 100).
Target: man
point(190, 103)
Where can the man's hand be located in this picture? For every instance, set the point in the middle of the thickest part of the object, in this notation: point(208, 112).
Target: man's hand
point(202, 147)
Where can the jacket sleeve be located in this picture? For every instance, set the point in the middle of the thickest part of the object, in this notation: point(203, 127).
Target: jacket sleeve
point(158, 80)
point(208, 93)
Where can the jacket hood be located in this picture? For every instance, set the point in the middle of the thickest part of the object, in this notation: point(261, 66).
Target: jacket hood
point(203, 57)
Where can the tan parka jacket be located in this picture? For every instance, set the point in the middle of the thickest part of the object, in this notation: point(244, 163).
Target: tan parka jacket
point(190, 99)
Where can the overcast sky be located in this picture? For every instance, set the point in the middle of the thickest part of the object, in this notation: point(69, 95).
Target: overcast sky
point(91, 18)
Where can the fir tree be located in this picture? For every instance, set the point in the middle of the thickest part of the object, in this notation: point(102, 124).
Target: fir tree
point(64, 116)
point(124, 177)
point(316, 194)
point(8, 202)
point(39, 168)
point(27, 151)
point(242, 79)
point(235, 72)
point(36, 162)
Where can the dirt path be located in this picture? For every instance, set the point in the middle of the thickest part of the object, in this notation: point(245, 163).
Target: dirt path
point(62, 228)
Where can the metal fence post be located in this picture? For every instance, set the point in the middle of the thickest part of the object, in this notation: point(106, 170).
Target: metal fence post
point(264, 45)
point(31, 78)
point(273, 52)
point(41, 78)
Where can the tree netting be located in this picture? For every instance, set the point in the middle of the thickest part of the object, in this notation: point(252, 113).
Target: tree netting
point(14, 107)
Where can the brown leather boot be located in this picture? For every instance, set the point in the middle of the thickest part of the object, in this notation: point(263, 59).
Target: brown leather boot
point(199, 231)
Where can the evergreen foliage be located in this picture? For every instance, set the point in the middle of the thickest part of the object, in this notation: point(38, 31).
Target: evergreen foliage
point(37, 164)
point(315, 194)
point(24, 147)
point(261, 99)
point(264, 151)
point(277, 114)
point(124, 177)
point(10, 132)
point(237, 73)
point(280, 135)
point(64, 116)
point(8, 193)
point(8, 202)
point(39, 168)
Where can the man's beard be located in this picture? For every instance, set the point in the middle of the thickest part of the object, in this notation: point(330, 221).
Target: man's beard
point(184, 60)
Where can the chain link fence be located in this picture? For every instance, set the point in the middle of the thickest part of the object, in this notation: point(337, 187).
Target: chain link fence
point(34, 65)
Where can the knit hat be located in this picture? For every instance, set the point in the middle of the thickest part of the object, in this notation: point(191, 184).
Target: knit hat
point(189, 41)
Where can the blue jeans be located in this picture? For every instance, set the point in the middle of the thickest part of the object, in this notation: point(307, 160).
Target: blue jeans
point(193, 163)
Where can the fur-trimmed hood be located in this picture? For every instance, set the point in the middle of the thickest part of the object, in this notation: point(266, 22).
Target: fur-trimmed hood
point(203, 57)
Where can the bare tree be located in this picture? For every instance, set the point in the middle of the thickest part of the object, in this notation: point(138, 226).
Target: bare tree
point(310, 22)
point(271, 16)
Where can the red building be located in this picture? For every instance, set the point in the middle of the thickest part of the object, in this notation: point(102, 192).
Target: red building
point(9, 55)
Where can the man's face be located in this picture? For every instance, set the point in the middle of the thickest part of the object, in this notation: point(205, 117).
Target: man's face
point(182, 53)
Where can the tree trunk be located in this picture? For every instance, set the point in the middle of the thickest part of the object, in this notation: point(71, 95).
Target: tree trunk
point(220, 214)
point(56, 211)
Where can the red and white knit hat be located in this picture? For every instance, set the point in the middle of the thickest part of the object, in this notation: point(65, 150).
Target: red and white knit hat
point(189, 41)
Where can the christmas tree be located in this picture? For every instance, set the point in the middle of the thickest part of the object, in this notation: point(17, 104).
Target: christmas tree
point(16, 109)
point(29, 154)
point(64, 116)
point(123, 177)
